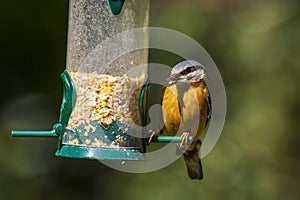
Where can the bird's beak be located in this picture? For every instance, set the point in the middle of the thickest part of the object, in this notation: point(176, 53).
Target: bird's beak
point(171, 81)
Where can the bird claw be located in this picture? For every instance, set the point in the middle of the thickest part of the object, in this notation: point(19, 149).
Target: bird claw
point(153, 133)
point(184, 140)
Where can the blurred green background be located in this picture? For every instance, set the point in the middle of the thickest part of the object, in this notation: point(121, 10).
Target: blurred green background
point(255, 44)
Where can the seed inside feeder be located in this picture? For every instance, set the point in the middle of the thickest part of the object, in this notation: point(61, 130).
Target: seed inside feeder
point(101, 100)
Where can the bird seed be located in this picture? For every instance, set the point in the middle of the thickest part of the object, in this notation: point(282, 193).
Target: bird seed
point(101, 100)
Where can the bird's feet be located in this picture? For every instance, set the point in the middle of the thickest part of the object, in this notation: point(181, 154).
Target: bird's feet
point(183, 144)
point(184, 140)
point(152, 134)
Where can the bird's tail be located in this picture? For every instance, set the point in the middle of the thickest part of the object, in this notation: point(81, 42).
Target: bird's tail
point(193, 161)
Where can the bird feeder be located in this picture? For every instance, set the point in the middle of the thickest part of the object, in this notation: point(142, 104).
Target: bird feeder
point(101, 100)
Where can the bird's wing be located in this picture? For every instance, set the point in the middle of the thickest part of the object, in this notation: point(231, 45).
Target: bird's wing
point(209, 110)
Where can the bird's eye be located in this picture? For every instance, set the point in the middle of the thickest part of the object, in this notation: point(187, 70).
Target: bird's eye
point(188, 70)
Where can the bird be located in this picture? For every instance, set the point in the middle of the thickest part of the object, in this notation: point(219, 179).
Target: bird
point(186, 110)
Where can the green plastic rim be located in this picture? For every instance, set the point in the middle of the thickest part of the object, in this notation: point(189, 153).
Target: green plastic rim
point(99, 153)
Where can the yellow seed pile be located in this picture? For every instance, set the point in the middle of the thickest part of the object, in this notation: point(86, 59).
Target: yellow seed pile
point(104, 98)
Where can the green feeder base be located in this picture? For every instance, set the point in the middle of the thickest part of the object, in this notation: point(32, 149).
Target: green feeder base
point(115, 144)
point(98, 153)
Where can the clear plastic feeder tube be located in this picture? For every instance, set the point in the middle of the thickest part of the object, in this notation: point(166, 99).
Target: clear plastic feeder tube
point(103, 67)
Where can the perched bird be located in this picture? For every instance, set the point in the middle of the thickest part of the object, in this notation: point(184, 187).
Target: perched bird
point(186, 110)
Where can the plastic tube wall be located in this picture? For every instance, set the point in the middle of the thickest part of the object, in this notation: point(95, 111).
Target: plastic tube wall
point(99, 56)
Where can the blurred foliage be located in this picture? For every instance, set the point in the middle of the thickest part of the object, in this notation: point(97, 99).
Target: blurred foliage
point(255, 44)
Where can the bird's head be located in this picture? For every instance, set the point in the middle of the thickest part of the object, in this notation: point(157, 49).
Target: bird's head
point(188, 71)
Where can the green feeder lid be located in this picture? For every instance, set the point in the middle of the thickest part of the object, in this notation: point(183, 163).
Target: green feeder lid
point(116, 6)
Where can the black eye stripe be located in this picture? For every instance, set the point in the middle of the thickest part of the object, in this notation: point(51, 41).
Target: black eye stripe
point(188, 70)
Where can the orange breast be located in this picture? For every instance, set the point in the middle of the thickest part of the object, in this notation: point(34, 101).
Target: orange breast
point(171, 111)
point(187, 109)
